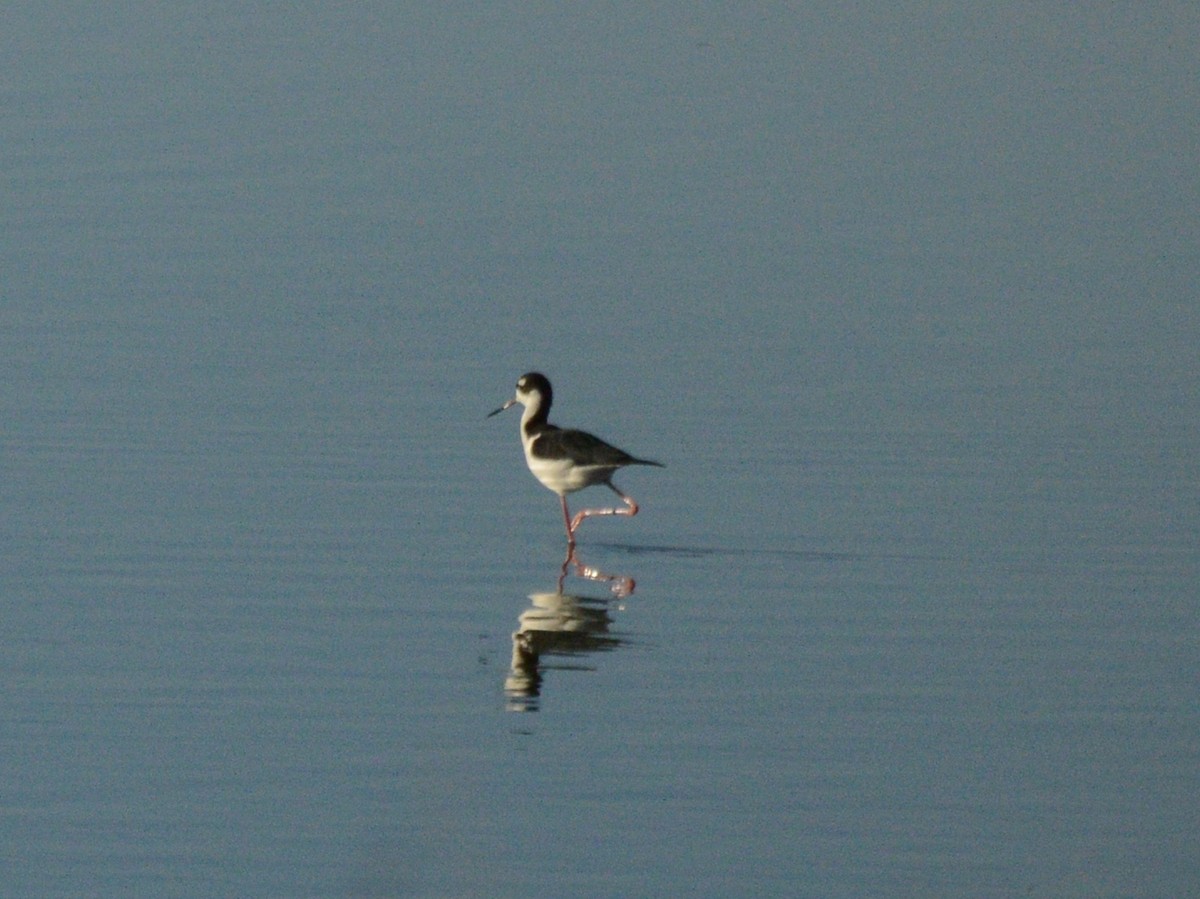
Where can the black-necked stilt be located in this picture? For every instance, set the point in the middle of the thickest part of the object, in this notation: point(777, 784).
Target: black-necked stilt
point(566, 460)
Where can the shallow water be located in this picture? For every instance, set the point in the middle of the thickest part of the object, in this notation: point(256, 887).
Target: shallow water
point(903, 301)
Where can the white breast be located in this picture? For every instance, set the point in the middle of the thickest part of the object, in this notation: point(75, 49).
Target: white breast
point(560, 475)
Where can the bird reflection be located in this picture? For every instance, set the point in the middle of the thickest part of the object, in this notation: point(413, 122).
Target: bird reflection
point(564, 625)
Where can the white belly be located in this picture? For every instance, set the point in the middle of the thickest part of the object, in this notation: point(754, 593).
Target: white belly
point(562, 477)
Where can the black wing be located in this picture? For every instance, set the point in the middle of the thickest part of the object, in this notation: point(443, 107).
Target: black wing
point(582, 445)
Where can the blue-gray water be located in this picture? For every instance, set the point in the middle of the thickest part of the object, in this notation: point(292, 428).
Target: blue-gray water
point(904, 299)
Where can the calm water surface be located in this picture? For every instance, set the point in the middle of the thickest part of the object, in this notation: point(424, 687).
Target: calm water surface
point(904, 300)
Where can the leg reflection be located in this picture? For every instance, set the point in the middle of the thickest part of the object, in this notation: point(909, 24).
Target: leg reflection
point(620, 584)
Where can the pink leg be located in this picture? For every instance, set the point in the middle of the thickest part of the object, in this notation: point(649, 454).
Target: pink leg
point(567, 521)
point(631, 508)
